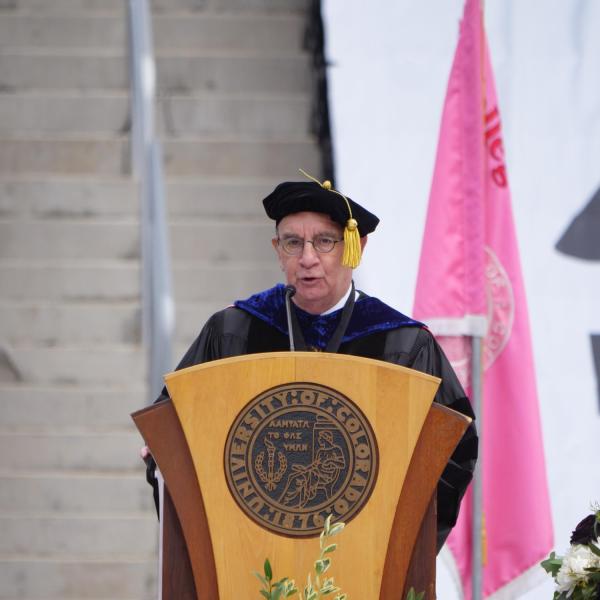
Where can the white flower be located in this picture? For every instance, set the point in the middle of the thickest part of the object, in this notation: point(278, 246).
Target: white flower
point(564, 581)
point(573, 568)
point(580, 558)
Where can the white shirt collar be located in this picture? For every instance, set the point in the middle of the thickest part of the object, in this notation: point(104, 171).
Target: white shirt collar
point(341, 302)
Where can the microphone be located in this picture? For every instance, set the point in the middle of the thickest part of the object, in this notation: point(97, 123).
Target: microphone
point(290, 290)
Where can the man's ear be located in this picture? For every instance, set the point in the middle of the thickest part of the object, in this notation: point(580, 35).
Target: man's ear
point(275, 245)
point(363, 242)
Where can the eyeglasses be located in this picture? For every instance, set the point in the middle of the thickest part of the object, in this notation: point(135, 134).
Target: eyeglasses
point(295, 246)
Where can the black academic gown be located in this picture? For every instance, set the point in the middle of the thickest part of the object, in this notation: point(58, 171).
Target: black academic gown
point(375, 331)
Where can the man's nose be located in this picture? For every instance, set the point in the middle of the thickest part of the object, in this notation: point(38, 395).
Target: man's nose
point(309, 255)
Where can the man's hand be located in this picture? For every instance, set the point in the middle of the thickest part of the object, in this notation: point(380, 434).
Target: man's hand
point(145, 454)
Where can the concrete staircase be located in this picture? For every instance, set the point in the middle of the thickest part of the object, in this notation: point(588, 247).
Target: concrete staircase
point(233, 113)
point(76, 518)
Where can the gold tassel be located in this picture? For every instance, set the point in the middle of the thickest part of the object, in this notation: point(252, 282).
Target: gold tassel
point(352, 250)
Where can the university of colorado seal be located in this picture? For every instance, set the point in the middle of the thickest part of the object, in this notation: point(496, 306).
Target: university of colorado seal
point(297, 453)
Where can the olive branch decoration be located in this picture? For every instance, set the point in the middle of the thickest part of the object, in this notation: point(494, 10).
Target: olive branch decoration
point(322, 586)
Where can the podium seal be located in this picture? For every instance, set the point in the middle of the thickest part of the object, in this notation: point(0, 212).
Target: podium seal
point(297, 453)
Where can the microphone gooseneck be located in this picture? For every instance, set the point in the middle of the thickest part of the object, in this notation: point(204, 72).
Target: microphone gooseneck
point(290, 290)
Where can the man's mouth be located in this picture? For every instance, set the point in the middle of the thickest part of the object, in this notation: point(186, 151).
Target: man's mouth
point(309, 280)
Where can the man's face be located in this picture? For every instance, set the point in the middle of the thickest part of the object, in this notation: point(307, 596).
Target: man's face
point(319, 278)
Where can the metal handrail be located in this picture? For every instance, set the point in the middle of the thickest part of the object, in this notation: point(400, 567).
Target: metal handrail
point(147, 168)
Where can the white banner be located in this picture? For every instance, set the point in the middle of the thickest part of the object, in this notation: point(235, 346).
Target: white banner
point(390, 63)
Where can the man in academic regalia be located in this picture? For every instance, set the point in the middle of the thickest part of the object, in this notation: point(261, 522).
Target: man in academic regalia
point(320, 235)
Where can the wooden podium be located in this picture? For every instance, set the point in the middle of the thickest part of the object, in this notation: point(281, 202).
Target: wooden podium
point(256, 450)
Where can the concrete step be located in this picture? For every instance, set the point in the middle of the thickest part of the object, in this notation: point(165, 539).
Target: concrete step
point(64, 113)
point(250, 32)
point(81, 537)
point(185, 73)
point(55, 493)
point(40, 408)
point(61, 6)
point(113, 366)
point(259, 32)
point(64, 324)
point(194, 281)
point(269, 5)
point(117, 6)
point(60, 198)
point(70, 280)
point(85, 452)
point(227, 282)
point(58, 324)
point(115, 578)
point(233, 198)
point(269, 117)
point(62, 30)
point(209, 240)
point(87, 198)
point(248, 158)
point(205, 114)
point(66, 239)
point(221, 242)
point(64, 156)
point(26, 69)
point(191, 157)
point(177, 73)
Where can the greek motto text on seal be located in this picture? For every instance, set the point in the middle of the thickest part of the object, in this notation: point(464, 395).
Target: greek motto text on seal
point(297, 453)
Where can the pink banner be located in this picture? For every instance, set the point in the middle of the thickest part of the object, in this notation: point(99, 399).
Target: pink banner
point(470, 283)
